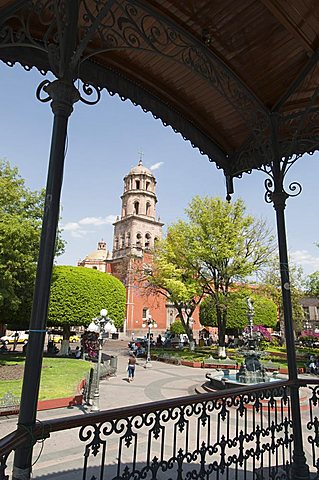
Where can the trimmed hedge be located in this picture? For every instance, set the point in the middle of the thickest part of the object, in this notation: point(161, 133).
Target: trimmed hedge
point(265, 310)
point(78, 294)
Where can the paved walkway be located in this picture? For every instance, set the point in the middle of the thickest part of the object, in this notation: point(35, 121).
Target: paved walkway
point(159, 382)
point(62, 452)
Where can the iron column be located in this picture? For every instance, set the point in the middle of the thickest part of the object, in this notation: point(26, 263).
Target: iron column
point(63, 96)
point(300, 469)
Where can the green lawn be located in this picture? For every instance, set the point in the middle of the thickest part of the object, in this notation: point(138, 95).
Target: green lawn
point(60, 376)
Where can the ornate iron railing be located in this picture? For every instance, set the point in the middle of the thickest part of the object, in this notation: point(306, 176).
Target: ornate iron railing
point(240, 434)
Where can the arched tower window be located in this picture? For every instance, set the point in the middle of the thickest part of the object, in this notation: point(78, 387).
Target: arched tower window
point(147, 240)
point(137, 184)
point(147, 186)
point(148, 208)
point(116, 243)
point(136, 207)
point(128, 239)
point(122, 240)
point(138, 240)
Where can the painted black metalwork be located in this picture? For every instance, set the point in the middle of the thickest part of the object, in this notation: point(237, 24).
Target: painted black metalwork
point(131, 29)
point(62, 94)
point(246, 433)
point(313, 426)
point(206, 438)
point(277, 194)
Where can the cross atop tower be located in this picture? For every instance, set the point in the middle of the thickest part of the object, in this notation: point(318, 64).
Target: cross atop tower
point(141, 154)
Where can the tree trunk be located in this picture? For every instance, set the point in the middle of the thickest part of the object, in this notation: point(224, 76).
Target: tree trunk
point(65, 344)
point(221, 352)
point(221, 322)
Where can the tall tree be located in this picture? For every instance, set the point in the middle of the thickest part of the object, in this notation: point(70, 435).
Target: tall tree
point(174, 278)
point(312, 284)
point(218, 245)
point(78, 294)
point(20, 226)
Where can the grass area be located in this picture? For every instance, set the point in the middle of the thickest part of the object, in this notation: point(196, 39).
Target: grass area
point(275, 354)
point(60, 376)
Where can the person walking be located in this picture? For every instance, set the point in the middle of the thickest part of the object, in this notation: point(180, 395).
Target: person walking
point(131, 367)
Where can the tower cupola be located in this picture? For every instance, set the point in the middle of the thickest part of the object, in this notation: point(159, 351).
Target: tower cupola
point(137, 227)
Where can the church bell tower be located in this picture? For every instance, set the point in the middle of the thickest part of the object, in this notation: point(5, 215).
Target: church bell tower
point(136, 231)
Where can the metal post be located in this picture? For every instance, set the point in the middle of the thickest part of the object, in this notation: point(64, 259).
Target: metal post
point(96, 395)
point(300, 470)
point(299, 467)
point(148, 360)
point(63, 97)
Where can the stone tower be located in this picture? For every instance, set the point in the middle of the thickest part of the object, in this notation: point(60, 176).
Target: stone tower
point(137, 229)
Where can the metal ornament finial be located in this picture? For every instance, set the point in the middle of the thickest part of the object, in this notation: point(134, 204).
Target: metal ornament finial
point(229, 187)
point(141, 154)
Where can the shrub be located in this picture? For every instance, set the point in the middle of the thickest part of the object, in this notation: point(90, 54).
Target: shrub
point(78, 294)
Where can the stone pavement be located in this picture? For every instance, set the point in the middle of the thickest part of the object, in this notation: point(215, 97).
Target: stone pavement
point(62, 450)
point(62, 454)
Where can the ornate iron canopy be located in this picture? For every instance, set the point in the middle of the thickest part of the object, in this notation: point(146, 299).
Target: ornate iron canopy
point(224, 74)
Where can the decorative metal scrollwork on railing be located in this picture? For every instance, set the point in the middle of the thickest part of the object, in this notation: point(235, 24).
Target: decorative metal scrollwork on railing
point(248, 433)
point(312, 435)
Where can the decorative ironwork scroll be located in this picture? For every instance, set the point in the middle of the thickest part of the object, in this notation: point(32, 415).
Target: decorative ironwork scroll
point(312, 435)
point(113, 25)
point(245, 434)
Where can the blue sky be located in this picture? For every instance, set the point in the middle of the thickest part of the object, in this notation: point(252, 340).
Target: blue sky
point(104, 142)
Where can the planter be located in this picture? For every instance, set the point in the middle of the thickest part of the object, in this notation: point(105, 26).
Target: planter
point(191, 363)
point(283, 370)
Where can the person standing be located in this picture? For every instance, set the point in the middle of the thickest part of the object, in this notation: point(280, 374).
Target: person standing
point(131, 367)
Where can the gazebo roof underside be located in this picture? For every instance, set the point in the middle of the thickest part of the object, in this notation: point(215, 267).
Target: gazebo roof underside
point(219, 72)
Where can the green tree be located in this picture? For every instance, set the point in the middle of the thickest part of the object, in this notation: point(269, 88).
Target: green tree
point(271, 287)
point(174, 278)
point(218, 245)
point(20, 227)
point(78, 294)
point(265, 310)
point(312, 284)
point(177, 327)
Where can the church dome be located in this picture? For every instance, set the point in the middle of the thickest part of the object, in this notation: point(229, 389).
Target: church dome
point(140, 169)
point(101, 253)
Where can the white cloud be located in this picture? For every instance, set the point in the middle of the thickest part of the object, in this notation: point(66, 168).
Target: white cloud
point(306, 259)
point(109, 219)
point(156, 166)
point(71, 226)
point(76, 228)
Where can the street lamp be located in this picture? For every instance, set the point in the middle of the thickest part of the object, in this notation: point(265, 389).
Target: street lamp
point(100, 325)
point(149, 323)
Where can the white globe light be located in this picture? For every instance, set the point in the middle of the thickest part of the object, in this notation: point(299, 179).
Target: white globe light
point(108, 327)
point(143, 325)
point(103, 312)
point(155, 325)
point(93, 327)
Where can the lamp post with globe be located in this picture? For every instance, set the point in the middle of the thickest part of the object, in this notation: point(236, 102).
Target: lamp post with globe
point(100, 325)
point(149, 323)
